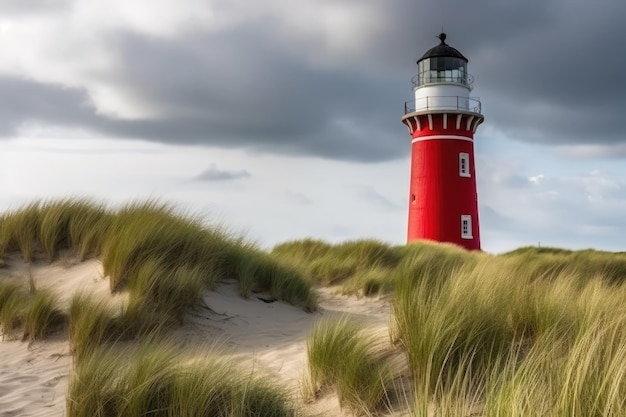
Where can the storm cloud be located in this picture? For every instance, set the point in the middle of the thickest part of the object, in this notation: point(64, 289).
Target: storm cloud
point(233, 76)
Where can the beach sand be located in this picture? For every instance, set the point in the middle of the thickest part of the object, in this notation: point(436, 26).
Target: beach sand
point(264, 336)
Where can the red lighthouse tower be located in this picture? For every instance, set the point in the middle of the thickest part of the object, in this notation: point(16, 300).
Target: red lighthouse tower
point(442, 120)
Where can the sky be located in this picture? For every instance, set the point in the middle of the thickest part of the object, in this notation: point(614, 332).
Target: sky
point(281, 119)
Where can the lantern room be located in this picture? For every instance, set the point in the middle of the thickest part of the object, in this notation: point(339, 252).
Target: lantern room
point(442, 81)
point(442, 64)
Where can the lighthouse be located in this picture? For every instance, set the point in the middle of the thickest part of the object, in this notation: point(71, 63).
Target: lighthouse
point(442, 120)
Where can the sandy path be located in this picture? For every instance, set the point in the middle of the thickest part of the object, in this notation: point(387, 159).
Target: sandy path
point(266, 336)
point(273, 335)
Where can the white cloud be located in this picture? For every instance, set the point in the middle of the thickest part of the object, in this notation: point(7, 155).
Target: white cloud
point(214, 174)
point(579, 209)
point(536, 179)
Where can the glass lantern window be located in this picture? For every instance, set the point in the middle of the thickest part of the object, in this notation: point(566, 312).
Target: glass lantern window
point(442, 69)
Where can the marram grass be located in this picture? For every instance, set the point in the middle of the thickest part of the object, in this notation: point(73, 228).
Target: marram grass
point(91, 323)
point(154, 234)
point(36, 314)
point(43, 316)
point(7, 290)
point(535, 332)
point(19, 231)
point(500, 337)
point(343, 357)
point(366, 267)
point(164, 257)
point(331, 264)
point(12, 311)
point(160, 380)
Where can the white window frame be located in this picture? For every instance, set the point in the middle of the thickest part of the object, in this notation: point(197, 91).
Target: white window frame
point(466, 232)
point(464, 162)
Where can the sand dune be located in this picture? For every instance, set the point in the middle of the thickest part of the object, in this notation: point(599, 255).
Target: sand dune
point(33, 380)
point(267, 336)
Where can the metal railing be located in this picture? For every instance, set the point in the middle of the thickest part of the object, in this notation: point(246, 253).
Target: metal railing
point(469, 104)
point(428, 78)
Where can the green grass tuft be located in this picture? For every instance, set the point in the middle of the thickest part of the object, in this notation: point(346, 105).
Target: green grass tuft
point(341, 356)
point(42, 317)
point(7, 290)
point(87, 227)
point(19, 231)
point(160, 380)
point(171, 292)
point(12, 310)
point(91, 323)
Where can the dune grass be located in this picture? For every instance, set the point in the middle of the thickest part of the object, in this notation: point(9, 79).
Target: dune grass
point(170, 292)
point(43, 316)
point(182, 253)
point(87, 227)
point(557, 377)
point(19, 231)
point(92, 323)
point(343, 357)
point(23, 308)
point(165, 258)
point(259, 272)
point(162, 258)
point(365, 267)
point(585, 263)
point(54, 221)
point(149, 231)
point(514, 338)
point(160, 380)
point(52, 226)
point(12, 309)
point(456, 327)
point(533, 332)
point(330, 264)
point(7, 290)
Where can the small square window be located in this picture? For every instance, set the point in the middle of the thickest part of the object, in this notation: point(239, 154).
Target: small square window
point(466, 226)
point(464, 168)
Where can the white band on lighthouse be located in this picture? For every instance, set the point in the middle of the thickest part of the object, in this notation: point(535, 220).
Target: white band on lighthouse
point(445, 137)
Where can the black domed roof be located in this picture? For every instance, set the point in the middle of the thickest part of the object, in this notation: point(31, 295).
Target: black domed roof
point(443, 50)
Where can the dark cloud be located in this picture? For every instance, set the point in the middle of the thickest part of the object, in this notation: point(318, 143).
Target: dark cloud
point(215, 174)
point(256, 97)
point(547, 71)
point(28, 102)
point(255, 94)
